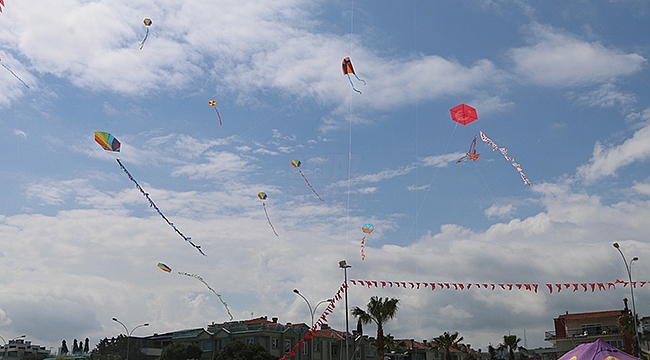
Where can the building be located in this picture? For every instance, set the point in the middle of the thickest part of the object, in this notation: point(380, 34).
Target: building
point(574, 329)
point(19, 348)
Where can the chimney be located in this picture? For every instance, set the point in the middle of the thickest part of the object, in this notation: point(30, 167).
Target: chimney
point(625, 301)
point(324, 326)
point(275, 320)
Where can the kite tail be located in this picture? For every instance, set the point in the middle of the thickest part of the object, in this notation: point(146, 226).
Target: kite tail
point(153, 205)
point(311, 187)
point(363, 81)
point(145, 39)
point(211, 289)
point(363, 247)
point(269, 220)
point(219, 116)
point(351, 83)
point(14, 74)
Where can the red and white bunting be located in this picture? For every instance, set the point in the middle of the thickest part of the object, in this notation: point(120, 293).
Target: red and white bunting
point(532, 287)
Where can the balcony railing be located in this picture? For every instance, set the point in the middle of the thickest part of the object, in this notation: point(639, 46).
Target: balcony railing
point(577, 333)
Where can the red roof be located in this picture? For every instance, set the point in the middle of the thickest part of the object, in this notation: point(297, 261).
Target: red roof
point(608, 313)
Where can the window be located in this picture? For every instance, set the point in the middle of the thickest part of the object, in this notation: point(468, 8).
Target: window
point(275, 343)
point(206, 345)
point(335, 350)
point(250, 340)
point(591, 329)
point(305, 347)
point(316, 346)
point(616, 343)
point(287, 345)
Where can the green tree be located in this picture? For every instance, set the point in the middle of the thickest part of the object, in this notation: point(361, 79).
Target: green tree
point(511, 344)
point(64, 348)
point(110, 349)
point(447, 341)
point(379, 311)
point(493, 352)
point(237, 350)
point(178, 351)
point(86, 348)
point(390, 344)
point(625, 324)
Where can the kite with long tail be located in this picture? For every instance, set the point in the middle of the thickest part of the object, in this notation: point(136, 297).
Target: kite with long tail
point(262, 195)
point(296, 164)
point(8, 69)
point(471, 154)
point(347, 70)
point(153, 205)
point(505, 155)
point(214, 105)
point(199, 278)
point(147, 22)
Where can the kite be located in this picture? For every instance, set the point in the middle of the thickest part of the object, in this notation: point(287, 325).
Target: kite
point(347, 70)
point(214, 105)
point(147, 23)
point(463, 114)
point(367, 228)
point(505, 155)
point(107, 141)
point(8, 69)
point(153, 205)
point(199, 278)
point(164, 267)
point(262, 196)
point(471, 154)
point(296, 164)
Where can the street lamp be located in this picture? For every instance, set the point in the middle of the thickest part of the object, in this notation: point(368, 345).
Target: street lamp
point(628, 268)
point(128, 334)
point(344, 265)
point(312, 312)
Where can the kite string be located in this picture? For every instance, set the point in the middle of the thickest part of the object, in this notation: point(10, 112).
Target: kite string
point(14, 74)
point(153, 205)
point(426, 193)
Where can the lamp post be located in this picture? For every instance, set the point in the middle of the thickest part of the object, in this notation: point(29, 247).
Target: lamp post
point(128, 334)
point(312, 312)
point(344, 265)
point(628, 268)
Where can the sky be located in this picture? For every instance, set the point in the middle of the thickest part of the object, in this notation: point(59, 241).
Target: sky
point(562, 85)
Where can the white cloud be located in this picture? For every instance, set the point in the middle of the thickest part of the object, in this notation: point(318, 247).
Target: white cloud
point(606, 95)
point(606, 161)
point(557, 59)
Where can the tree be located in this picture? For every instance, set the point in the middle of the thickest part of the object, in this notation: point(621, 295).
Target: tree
point(493, 353)
point(86, 348)
point(75, 347)
point(510, 343)
point(108, 349)
point(379, 311)
point(237, 350)
point(625, 324)
point(448, 341)
point(64, 347)
point(390, 345)
point(178, 351)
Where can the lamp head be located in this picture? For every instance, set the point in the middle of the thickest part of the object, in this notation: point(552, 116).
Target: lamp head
point(344, 265)
point(635, 258)
point(615, 245)
point(114, 319)
point(145, 324)
point(330, 300)
point(296, 291)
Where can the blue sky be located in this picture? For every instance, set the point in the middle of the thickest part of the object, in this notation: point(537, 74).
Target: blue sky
point(561, 85)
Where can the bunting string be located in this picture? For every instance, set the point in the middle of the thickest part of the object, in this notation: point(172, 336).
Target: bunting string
point(532, 287)
point(321, 320)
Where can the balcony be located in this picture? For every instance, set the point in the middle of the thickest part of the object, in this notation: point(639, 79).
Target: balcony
point(580, 333)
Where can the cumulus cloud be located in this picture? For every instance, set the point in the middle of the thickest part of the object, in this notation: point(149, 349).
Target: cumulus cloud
point(559, 59)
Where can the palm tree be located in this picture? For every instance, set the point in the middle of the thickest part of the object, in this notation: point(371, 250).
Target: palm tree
point(379, 310)
point(447, 341)
point(510, 343)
